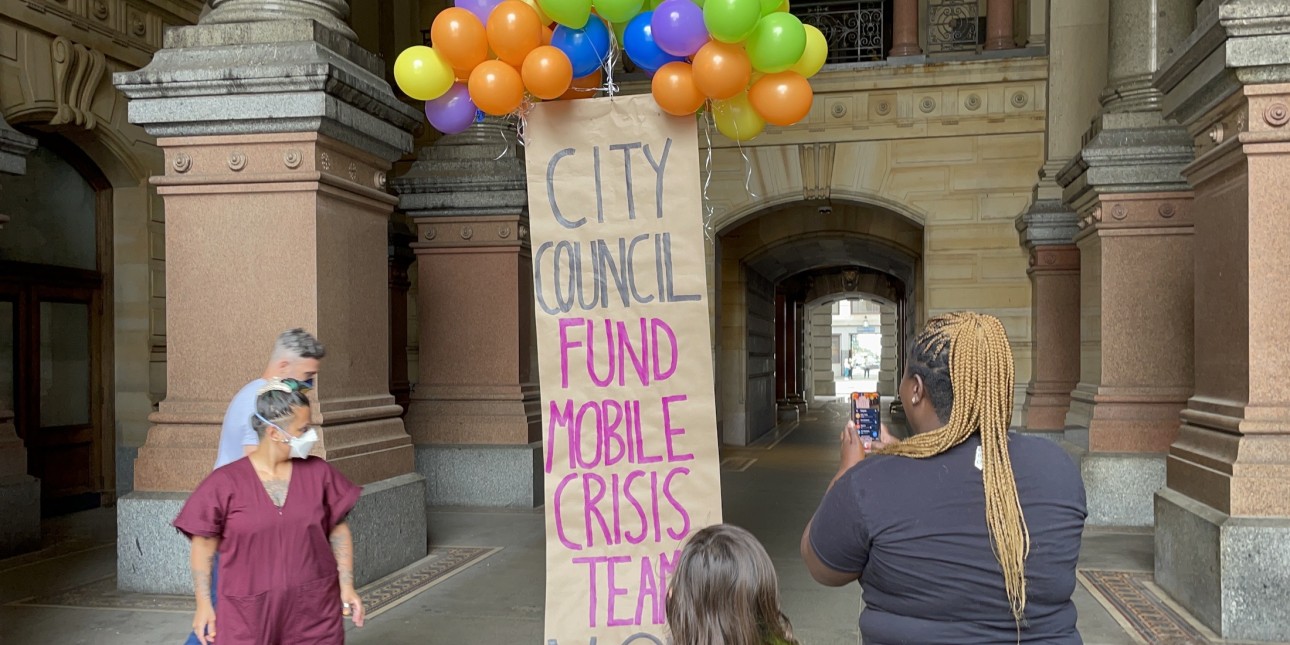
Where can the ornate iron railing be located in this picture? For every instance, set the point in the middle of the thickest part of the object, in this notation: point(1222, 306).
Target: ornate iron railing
point(854, 29)
point(952, 26)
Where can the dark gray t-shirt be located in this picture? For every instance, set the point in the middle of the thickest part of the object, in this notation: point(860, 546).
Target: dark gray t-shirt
point(915, 531)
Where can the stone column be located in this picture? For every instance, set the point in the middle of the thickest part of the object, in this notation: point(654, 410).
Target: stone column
point(1135, 250)
point(475, 415)
point(904, 30)
point(998, 25)
point(888, 371)
point(1077, 73)
point(1222, 535)
point(276, 216)
point(797, 361)
point(401, 258)
point(781, 350)
point(821, 324)
point(19, 492)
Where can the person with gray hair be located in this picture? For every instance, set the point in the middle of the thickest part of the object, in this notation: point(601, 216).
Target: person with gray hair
point(296, 355)
point(277, 520)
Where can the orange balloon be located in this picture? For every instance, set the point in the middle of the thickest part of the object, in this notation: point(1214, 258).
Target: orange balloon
point(547, 72)
point(459, 37)
point(585, 87)
point(782, 99)
point(721, 70)
point(547, 33)
point(514, 30)
point(496, 88)
point(674, 89)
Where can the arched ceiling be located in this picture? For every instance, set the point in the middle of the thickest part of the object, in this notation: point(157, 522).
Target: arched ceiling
point(791, 257)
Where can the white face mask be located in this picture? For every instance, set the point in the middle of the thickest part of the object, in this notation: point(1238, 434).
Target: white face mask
point(300, 446)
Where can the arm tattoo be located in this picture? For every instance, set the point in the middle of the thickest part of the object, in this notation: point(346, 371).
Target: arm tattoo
point(342, 546)
point(202, 579)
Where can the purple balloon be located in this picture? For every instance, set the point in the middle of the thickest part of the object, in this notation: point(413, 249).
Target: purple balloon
point(678, 27)
point(453, 112)
point(481, 8)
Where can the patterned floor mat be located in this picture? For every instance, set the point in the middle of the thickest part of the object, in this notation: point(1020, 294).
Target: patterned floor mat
point(1144, 610)
point(380, 596)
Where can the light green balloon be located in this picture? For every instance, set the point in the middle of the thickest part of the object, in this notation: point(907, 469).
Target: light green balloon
point(618, 10)
point(731, 21)
point(570, 13)
point(777, 43)
point(769, 6)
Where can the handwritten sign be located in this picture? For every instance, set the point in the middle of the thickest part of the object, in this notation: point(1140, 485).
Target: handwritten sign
point(625, 361)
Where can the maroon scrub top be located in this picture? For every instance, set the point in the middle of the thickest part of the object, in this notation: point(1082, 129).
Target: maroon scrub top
point(278, 583)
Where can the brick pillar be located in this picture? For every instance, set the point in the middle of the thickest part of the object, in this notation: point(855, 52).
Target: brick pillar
point(1222, 533)
point(19, 492)
point(276, 216)
point(475, 415)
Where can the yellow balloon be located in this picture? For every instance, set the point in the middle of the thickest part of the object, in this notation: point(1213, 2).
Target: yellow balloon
point(542, 17)
point(817, 50)
point(737, 119)
point(422, 73)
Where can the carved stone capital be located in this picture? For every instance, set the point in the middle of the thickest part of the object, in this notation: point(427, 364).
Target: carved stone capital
point(1047, 222)
point(270, 76)
point(1063, 257)
point(329, 13)
point(479, 172)
point(453, 233)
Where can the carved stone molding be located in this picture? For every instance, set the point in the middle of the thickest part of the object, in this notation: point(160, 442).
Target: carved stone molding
point(439, 234)
point(1054, 258)
point(1141, 211)
point(137, 25)
point(817, 169)
point(77, 73)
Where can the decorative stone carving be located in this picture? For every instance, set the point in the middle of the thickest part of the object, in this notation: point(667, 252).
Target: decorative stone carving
point(1020, 99)
point(973, 102)
point(838, 109)
point(467, 232)
point(100, 10)
point(927, 104)
point(353, 171)
point(378, 180)
point(504, 232)
point(883, 108)
point(1119, 212)
point(431, 233)
point(236, 161)
point(816, 161)
point(1277, 114)
point(325, 161)
point(292, 158)
point(77, 72)
point(1167, 210)
point(182, 163)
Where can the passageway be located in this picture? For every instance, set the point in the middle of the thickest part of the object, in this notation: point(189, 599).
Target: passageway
point(62, 596)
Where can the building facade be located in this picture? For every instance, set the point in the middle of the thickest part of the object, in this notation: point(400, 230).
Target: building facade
point(1103, 176)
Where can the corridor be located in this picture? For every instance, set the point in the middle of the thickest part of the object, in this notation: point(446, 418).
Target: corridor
point(66, 595)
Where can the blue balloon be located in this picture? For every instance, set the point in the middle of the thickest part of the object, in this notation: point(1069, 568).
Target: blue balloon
point(587, 48)
point(638, 42)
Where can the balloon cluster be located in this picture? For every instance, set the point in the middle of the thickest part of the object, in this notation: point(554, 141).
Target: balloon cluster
point(750, 58)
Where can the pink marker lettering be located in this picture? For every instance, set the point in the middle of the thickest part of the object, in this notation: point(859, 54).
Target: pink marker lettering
point(669, 431)
point(559, 517)
point(565, 346)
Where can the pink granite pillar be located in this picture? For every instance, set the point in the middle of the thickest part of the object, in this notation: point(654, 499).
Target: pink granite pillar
point(998, 25)
point(1055, 317)
point(904, 30)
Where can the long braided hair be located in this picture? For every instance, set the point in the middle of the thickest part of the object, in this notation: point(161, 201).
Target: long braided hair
point(971, 351)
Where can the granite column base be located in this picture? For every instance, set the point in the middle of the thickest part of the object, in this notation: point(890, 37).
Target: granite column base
point(20, 510)
point(1232, 573)
point(388, 523)
point(1120, 486)
point(489, 475)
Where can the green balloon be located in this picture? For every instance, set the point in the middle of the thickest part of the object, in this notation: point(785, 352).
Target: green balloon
point(730, 21)
point(570, 13)
point(776, 43)
point(769, 6)
point(617, 10)
point(619, 28)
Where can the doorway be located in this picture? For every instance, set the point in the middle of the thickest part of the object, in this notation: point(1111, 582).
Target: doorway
point(55, 366)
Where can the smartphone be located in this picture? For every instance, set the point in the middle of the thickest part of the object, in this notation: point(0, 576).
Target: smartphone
point(864, 413)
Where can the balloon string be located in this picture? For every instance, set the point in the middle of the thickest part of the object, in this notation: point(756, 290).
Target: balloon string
point(611, 61)
point(707, 178)
point(522, 124)
point(747, 163)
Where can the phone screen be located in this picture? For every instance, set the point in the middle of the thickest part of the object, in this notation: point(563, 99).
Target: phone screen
point(864, 413)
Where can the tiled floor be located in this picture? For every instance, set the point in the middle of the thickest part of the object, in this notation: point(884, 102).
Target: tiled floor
point(495, 596)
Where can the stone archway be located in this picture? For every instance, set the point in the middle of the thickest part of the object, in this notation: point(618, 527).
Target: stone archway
point(81, 107)
point(771, 265)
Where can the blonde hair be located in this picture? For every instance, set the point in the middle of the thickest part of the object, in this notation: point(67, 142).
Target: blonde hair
point(724, 591)
point(973, 349)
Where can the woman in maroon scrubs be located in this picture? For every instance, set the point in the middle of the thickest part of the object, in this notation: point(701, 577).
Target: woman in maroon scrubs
point(277, 520)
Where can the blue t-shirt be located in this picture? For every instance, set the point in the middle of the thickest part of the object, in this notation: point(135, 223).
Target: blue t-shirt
point(237, 431)
point(915, 531)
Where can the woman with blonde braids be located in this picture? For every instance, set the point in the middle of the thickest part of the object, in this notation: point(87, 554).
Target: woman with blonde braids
point(964, 533)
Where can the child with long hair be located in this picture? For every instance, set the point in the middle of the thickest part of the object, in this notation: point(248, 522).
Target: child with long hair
point(724, 591)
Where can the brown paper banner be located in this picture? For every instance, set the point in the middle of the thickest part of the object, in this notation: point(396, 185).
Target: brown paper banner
point(625, 361)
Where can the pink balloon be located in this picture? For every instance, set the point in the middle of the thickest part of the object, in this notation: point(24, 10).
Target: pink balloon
point(677, 27)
